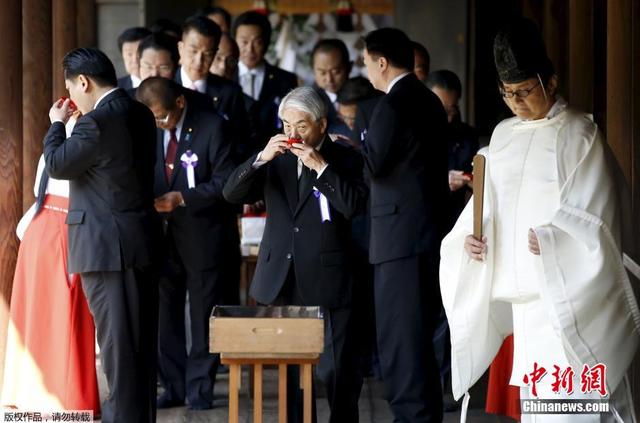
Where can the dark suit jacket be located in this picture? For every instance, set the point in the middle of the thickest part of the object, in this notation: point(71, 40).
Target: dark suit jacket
point(335, 125)
point(206, 227)
point(110, 163)
point(463, 145)
point(294, 230)
point(277, 83)
point(364, 111)
point(228, 100)
point(125, 82)
point(406, 159)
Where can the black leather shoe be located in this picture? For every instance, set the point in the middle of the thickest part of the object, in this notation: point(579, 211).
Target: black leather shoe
point(200, 406)
point(166, 401)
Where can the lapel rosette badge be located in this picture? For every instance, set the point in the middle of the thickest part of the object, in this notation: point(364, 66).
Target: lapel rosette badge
point(189, 161)
point(323, 202)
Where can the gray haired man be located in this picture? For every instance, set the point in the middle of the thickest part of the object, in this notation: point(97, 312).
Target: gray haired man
point(312, 188)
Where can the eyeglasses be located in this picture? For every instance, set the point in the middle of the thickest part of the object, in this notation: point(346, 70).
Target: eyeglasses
point(521, 93)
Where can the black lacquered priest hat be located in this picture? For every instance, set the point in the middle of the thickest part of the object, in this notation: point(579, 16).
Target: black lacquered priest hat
point(519, 52)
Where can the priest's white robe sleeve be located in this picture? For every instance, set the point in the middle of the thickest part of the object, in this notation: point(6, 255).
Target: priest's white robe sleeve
point(585, 282)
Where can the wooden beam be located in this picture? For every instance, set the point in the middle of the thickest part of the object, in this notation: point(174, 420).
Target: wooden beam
point(10, 154)
point(618, 122)
point(580, 78)
point(36, 88)
point(64, 38)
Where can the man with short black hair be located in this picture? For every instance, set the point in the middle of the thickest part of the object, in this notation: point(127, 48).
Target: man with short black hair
point(114, 231)
point(201, 237)
point(263, 82)
point(407, 163)
point(331, 67)
point(198, 46)
point(462, 140)
point(225, 64)
point(128, 43)
point(219, 15)
point(421, 61)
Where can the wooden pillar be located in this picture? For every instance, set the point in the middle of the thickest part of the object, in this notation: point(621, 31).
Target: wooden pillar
point(10, 154)
point(86, 28)
point(36, 88)
point(635, 163)
point(554, 24)
point(619, 87)
point(580, 78)
point(64, 31)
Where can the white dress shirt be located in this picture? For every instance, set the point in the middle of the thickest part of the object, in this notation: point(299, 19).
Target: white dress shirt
point(395, 80)
point(333, 97)
point(245, 76)
point(135, 81)
point(103, 96)
point(199, 85)
point(167, 132)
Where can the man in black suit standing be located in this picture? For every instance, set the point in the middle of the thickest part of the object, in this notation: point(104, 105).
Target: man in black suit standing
point(331, 67)
point(128, 43)
point(192, 165)
point(263, 82)
point(407, 163)
point(114, 230)
point(198, 46)
point(311, 189)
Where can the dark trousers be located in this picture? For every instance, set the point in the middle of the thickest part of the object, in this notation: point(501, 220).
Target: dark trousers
point(189, 375)
point(337, 367)
point(124, 306)
point(407, 299)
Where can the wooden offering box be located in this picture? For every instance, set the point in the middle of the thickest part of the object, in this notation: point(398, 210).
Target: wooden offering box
point(258, 336)
point(290, 330)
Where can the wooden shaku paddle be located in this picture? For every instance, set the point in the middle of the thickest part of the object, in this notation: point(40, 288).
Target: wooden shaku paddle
point(478, 194)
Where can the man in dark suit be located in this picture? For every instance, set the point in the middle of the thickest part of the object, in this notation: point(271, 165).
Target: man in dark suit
point(407, 164)
point(311, 190)
point(128, 43)
point(263, 82)
point(113, 229)
point(200, 39)
point(192, 165)
point(158, 56)
point(331, 66)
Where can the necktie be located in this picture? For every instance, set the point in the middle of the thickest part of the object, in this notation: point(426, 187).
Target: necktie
point(170, 157)
point(253, 83)
point(303, 181)
point(42, 191)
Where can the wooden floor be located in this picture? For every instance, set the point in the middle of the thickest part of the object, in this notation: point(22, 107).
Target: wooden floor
point(373, 407)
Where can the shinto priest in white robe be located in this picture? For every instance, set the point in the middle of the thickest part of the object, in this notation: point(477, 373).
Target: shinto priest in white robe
point(569, 306)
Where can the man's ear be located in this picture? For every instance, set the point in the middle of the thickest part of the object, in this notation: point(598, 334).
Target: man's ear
point(84, 82)
point(383, 63)
point(552, 86)
point(180, 101)
point(323, 124)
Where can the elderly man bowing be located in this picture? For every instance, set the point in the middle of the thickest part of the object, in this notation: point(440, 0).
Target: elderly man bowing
point(311, 187)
